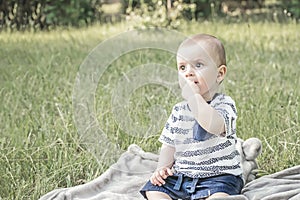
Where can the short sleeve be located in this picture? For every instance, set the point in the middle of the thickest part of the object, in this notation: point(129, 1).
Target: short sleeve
point(225, 106)
point(167, 136)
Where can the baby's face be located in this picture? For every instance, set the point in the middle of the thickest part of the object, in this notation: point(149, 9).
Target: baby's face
point(195, 63)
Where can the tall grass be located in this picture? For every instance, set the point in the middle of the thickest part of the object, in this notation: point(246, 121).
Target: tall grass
point(40, 147)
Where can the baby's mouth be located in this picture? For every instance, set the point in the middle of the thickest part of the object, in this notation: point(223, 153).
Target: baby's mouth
point(196, 82)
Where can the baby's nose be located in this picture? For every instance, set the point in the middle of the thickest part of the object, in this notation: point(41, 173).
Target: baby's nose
point(189, 71)
point(189, 74)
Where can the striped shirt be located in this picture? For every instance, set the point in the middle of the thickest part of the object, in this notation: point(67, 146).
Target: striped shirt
point(199, 154)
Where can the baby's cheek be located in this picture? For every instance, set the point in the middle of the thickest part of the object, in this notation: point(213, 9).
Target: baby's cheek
point(208, 78)
point(209, 83)
point(181, 80)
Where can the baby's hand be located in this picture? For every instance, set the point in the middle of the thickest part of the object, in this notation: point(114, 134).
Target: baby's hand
point(159, 175)
point(189, 89)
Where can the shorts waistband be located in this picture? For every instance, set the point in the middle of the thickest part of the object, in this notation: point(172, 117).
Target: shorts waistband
point(190, 188)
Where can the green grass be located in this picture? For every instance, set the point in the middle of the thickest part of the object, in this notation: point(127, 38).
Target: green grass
point(40, 147)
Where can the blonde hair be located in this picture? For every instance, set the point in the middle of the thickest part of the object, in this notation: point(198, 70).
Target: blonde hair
point(212, 44)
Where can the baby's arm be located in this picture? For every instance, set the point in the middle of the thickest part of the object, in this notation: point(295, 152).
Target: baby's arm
point(165, 162)
point(205, 115)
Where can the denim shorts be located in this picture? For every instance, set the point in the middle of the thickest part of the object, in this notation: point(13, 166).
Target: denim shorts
point(183, 187)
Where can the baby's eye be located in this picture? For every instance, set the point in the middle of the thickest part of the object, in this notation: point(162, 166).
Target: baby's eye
point(182, 67)
point(199, 65)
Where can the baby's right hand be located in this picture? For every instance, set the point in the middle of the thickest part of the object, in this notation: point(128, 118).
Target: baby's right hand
point(159, 175)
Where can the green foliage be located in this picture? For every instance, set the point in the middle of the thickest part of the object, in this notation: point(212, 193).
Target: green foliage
point(293, 7)
point(153, 14)
point(22, 15)
point(48, 14)
point(70, 13)
point(157, 13)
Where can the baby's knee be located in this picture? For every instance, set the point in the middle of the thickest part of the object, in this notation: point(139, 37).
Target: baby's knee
point(155, 195)
point(217, 195)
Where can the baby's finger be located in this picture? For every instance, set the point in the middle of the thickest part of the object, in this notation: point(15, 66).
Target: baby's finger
point(154, 180)
point(163, 174)
point(169, 171)
point(160, 180)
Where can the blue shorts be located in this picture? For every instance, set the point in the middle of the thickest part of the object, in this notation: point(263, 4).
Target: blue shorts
point(183, 187)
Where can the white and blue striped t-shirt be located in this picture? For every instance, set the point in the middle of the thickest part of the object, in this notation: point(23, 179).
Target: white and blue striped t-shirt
point(199, 154)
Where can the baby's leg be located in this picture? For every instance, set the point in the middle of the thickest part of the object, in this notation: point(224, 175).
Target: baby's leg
point(155, 195)
point(217, 195)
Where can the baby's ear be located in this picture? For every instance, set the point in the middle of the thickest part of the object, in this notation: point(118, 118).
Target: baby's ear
point(221, 73)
